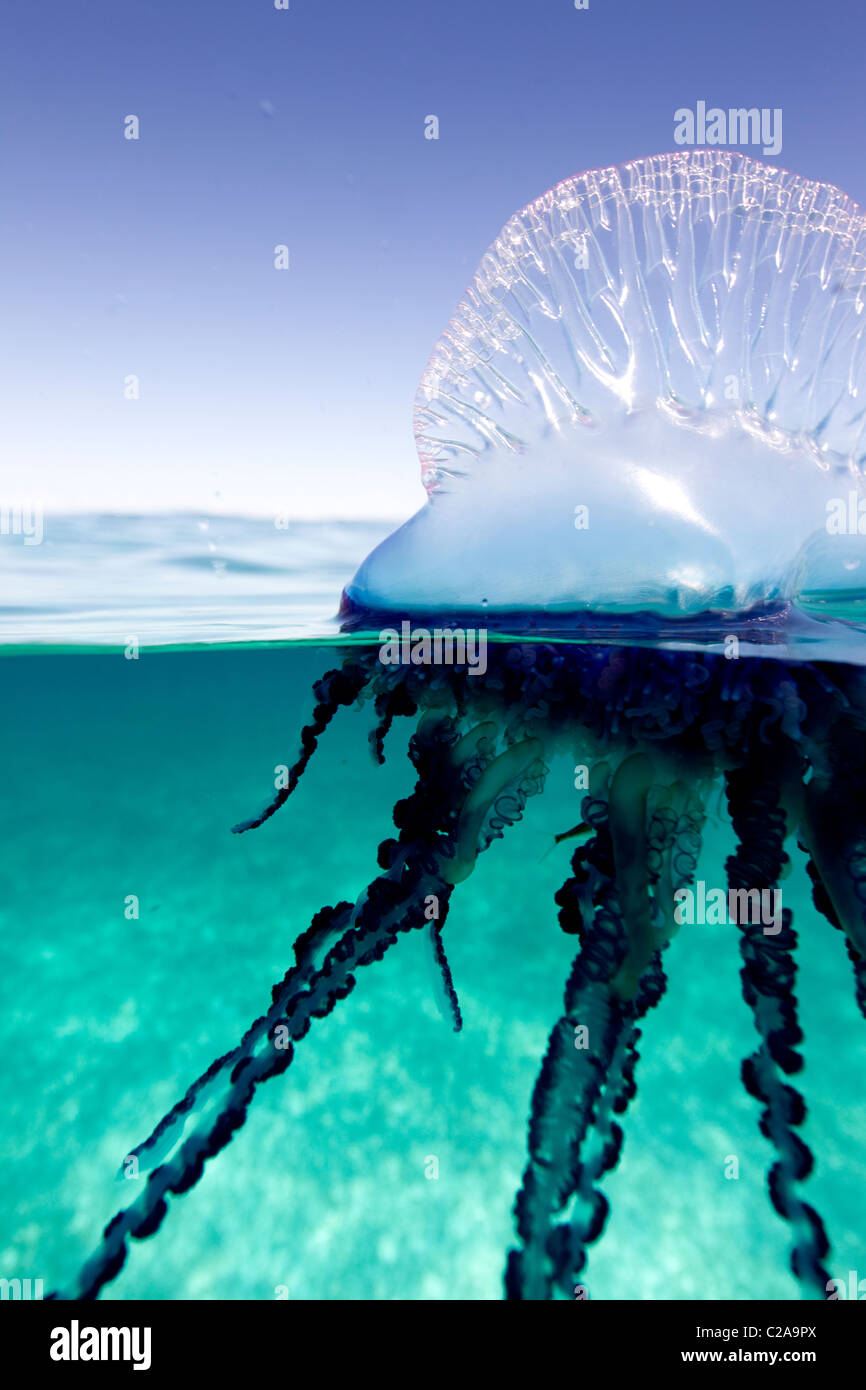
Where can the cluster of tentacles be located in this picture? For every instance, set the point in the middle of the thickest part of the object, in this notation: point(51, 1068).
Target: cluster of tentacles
point(656, 729)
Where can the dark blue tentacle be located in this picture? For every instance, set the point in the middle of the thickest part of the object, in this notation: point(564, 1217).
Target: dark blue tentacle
point(564, 1101)
point(392, 904)
point(821, 899)
point(590, 1208)
point(768, 977)
point(441, 962)
point(392, 702)
point(580, 1089)
point(342, 686)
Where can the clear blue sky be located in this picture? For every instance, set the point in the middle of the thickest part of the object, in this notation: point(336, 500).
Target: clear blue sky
point(265, 391)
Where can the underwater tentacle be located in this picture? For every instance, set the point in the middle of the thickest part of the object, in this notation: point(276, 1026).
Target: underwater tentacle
point(325, 929)
point(823, 902)
point(629, 790)
point(838, 846)
point(387, 911)
point(389, 906)
point(859, 964)
point(390, 703)
point(516, 771)
point(661, 830)
point(564, 1100)
point(674, 838)
point(768, 976)
point(580, 1086)
point(451, 1006)
point(342, 686)
point(430, 823)
point(833, 830)
point(569, 1240)
point(688, 838)
point(820, 897)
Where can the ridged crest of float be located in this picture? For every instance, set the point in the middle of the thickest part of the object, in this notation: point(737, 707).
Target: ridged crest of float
point(706, 285)
point(669, 356)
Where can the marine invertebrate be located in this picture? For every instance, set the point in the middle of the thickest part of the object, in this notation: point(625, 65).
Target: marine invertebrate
point(632, 433)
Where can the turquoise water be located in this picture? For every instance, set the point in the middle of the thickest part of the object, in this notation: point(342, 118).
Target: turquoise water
point(122, 777)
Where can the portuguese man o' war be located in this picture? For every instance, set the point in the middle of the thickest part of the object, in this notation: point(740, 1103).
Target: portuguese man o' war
point(642, 437)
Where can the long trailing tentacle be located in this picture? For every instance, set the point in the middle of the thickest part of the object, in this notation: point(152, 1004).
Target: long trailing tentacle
point(342, 686)
point(768, 977)
point(669, 837)
point(823, 903)
point(470, 756)
point(326, 928)
point(673, 845)
point(392, 904)
point(590, 1208)
point(586, 1078)
point(564, 1101)
point(464, 797)
point(834, 831)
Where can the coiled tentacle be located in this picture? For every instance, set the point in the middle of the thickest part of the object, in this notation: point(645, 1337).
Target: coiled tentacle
point(821, 899)
point(564, 1100)
point(393, 903)
point(390, 703)
point(342, 686)
point(590, 1207)
point(587, 1075)
point(834, 830)
point(768, 977)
